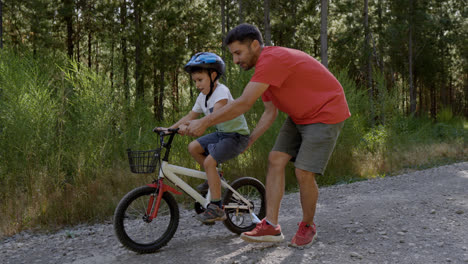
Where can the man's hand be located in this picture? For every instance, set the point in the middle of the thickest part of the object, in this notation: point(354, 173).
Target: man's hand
point(251, 141)
point(196, 127)
point(182, 129)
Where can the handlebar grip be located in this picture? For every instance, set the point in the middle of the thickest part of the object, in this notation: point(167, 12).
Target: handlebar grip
point(163, 132)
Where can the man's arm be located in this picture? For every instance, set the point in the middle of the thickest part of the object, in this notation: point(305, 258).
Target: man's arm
point(190, 116)
point(251, 92)
point(267, 119)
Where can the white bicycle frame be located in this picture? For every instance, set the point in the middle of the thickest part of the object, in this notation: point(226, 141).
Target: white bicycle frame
point(170, 172)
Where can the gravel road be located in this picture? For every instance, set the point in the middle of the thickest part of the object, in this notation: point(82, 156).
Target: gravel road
point(418, 217)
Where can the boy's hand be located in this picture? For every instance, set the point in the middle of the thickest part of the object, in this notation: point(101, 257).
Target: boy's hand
point(159, 129)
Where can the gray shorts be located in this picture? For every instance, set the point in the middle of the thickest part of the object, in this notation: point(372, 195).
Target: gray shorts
point(223, 146)
point(310, 145)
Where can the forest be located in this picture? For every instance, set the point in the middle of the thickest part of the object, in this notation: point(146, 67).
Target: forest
point(83, 80)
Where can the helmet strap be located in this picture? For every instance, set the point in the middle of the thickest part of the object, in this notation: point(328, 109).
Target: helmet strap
point(211, 87)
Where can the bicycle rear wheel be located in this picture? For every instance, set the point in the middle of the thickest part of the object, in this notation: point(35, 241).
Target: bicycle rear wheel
point(239, 220)
point(134, 229)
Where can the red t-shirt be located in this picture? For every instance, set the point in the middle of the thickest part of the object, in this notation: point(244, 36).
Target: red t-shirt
point(300, 86)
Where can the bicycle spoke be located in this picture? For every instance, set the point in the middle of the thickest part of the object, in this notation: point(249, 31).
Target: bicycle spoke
point(140, 230)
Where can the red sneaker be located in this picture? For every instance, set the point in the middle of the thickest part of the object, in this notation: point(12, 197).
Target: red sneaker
point(263, 232)
point(305, 235)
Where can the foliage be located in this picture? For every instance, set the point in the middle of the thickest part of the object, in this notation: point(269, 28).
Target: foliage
point(65, 123)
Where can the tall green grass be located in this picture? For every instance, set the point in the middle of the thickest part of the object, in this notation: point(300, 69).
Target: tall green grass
point(64, 132)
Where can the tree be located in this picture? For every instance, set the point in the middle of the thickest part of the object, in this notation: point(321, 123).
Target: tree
point(139, 74)
point(267, 22)
point(68, 17)
point(368, 59)
point(410, 59)
point(324, 33)
point(241, 12)
point(123, 47)
point(1, 25)
point(223, 27)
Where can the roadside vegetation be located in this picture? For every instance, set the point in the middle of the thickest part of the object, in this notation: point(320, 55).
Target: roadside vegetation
point(64, 132)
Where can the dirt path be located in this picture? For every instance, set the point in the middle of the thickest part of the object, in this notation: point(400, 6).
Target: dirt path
point(420, 217)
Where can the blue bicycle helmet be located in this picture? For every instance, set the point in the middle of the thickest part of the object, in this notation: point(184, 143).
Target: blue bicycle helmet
point(209, 61)
point(206, 60)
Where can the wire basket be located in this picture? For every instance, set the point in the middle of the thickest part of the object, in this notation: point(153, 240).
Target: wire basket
point(143, 161)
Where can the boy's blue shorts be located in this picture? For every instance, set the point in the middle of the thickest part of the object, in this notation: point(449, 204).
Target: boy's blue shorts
point(223, 146)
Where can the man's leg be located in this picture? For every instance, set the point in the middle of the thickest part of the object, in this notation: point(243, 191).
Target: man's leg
point(264, 231)
point(308, 188)
point(275, 184)
point(309, 194)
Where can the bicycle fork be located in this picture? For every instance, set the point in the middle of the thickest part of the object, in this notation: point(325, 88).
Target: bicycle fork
point(153, 206)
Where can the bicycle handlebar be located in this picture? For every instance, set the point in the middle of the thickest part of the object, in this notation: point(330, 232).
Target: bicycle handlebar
point(162, 131)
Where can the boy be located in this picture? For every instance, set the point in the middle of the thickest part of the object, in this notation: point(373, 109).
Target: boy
point(231, 137)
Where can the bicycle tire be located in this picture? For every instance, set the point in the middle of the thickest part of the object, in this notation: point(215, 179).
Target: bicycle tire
point(139, 235)
point(239, 221)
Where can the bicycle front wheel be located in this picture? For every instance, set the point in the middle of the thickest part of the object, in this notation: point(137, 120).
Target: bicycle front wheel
point(132, 225)
point(239, 220)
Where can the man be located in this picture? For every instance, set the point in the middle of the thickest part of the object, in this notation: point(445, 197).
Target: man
point(297, 84)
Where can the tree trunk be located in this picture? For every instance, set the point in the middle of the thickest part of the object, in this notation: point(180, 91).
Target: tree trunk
point(223, 28)
point(1, 25)
point(228, 24)
point(368, 60)
point(89, 48)
point(97, 56)
point(123, 44)
point(112, 63)
point(175, 94)
point(139, 78)
point(161, 97)
point(78, 55)
point(155, 92)
point(410, 57)
point(267, 22)
point(68, 16)
point(323, 33)
point(420, 94)
point(433, 102)
point(380, 29)
point(241, 12)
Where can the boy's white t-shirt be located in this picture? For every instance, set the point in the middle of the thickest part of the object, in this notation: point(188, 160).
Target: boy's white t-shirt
point(238, 124)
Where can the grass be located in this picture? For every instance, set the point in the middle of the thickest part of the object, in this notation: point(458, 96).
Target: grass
point(64, 132)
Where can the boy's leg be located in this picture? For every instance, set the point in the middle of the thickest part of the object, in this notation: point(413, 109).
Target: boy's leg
point(197, 152)
point(214, 180)
point(214, 211)
point(228, 146)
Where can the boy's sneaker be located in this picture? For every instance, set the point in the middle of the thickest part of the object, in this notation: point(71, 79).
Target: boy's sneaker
point(211, 214)
point(305, 236)
point(263, 232)
point(203, 187)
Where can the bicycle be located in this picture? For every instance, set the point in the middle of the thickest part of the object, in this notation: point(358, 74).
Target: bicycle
point(147, 217)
